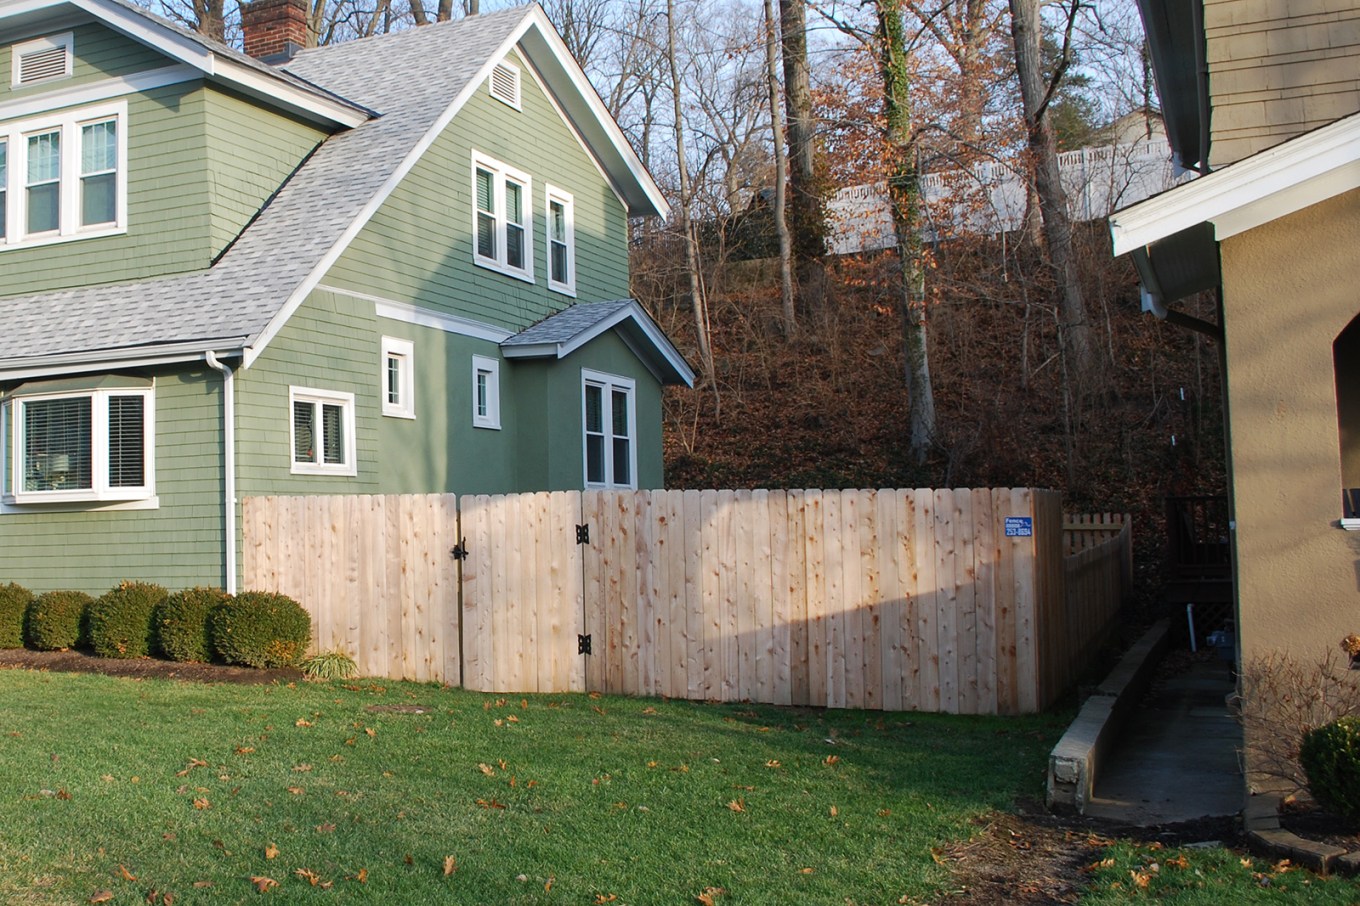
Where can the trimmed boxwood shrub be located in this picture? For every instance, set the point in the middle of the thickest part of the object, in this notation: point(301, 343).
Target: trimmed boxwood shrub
point(261, 629)
point(120, 621)
point(14, 600)
point(56, 620)
point(181, 623)
point(1330, 756)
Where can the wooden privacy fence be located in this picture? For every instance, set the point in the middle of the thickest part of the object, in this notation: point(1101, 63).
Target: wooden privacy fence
point(938, 600)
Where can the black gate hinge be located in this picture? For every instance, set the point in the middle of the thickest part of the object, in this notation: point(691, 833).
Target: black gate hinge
point(460, 551)
point(583, 534)
point(583, 644)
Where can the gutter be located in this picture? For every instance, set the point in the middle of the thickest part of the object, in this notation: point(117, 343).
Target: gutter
point(229, 467)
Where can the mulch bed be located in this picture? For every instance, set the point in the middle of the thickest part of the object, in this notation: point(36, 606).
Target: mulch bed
point(1312, 822)
point(72, 661)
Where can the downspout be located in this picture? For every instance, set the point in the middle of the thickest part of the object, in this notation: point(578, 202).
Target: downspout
point(229, 467)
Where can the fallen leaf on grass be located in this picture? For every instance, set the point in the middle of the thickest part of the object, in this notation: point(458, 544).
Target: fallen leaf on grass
point(101, 896)
point(296, 790)
point(193, 763)
point(648, 710)
point(806, 871)
point(490, 803)
point(498, 722)
point(831, 760)
point(271, 851)
point(302, 722)
point(362, 876)
point(308, 875)
point(125, 874)
point(370, 731)
point(548, 886)
point(202, 884)
point(773, 763)
point(835, 811)
point(709, 895)
point(737, 805)
point(1140, 878)
point(605, 898)
point(1178, 862)
point(450, 865)
point(302, 768)
point(245, 750)
point(512, 718)
point(486, 769)
point(63, 795)
point(884, 812)
point(325, 828)
point(263, 884)
point(202, 803)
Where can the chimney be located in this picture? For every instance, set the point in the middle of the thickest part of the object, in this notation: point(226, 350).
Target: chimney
point(274, 30)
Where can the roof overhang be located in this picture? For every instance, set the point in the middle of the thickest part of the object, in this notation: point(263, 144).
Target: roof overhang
point(1173, 236)
point(639, 333)
point(259, 82)
point(1175, 37)
point(106, 359)
point(578, 99)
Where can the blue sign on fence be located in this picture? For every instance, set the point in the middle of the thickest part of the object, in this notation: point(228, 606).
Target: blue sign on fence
point(1019, 526)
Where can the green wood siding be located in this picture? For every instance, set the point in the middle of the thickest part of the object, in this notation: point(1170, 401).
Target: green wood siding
point(201, 162)
point(251, 151)
point(177, 545)
point(99, 53)
point(418, 246)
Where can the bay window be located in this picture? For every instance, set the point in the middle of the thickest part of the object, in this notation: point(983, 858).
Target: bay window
point(92, 445)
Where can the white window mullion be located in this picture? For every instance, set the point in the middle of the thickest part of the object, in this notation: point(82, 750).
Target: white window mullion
point(70, 177)
point(99, 447)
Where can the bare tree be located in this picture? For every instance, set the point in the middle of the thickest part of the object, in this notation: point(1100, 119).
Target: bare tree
point(781, 175)
point(806, 221)
point(1036, 93)
point(904, 191)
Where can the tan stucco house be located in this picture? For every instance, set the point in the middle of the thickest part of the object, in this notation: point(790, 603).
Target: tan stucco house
point(1263, 100)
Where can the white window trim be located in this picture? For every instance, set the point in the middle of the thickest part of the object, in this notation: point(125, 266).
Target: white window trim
point(554, 194)
point(500, 173)
point(514, 72)
point(65, 40)
point(609, 383)
point(404, 352)
point(12, 428)
point(314, 395)
point(492, 368)
point(15, 135)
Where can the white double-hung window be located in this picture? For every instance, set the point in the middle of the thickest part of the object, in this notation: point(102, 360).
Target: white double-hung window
point(64, 177)
point(89, 445)
point(561, 242)
point(610, 430)
point(503, 236)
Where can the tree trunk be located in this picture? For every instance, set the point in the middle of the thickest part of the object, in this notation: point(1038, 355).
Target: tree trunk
point(781, 174)
point(1057, 227)
point(806, 220)
point(904, 190)
point(696, 293)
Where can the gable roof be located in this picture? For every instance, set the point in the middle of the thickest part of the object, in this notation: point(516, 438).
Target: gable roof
point(558, 336)
point(1171, 235)
point(238, 304)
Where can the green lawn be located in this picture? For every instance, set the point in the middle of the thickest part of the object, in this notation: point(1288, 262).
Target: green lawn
point(124, 787)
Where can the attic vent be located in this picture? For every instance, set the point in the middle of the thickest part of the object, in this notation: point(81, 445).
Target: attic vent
point(505, 84)
point(42, 60)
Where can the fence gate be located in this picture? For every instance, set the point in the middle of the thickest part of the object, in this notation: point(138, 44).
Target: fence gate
point(522, 581)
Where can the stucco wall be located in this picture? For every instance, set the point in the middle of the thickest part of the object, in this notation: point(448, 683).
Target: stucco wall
point(1278, 69)
point(1290, 287)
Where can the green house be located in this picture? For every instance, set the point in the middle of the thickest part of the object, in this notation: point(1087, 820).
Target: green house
point(396, 265)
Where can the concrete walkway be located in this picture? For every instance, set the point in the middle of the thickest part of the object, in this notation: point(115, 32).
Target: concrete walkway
point(1177, 759)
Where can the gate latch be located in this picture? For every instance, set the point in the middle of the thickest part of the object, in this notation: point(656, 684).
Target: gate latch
point(460, 551)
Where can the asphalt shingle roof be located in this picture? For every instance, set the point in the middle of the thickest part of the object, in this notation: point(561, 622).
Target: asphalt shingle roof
point(568, 324)
point(408, 78)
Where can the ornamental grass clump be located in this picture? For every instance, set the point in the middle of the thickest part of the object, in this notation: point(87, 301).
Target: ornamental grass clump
point(261, 629)
point(181, 623)
point(1330, 756)
point(120, 620)
point(329, 665)
point(14, 600)
point(56, 620)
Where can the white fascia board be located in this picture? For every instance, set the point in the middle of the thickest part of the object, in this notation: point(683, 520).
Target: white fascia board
point(1264, 187)
point(311, 104)
point(588, 109)
point(536, 351)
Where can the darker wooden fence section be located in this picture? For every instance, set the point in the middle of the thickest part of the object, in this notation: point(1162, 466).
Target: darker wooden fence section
point(959, 601)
